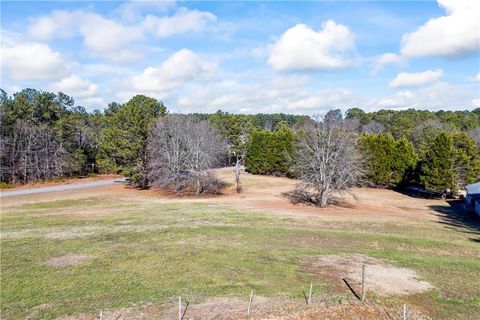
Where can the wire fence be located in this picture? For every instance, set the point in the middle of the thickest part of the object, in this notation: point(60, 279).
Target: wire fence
point(359, 302)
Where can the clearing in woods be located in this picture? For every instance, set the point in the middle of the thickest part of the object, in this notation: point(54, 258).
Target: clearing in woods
point(130, 253)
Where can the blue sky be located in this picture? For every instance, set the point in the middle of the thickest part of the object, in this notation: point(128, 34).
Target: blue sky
point(247, 57)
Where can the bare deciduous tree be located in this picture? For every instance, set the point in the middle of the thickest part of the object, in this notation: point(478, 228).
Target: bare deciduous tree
point(373, 127)
point(237, 171)
point(240, 156)
point(326, 161)
point(181, 150)
point(31, 154)
point(351, 125)
point(475, 133)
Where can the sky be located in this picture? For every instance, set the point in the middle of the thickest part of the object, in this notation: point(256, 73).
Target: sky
point(247, 57)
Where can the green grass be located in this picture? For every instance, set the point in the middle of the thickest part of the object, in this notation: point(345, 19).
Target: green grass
point(148, 251)
point(4, 185)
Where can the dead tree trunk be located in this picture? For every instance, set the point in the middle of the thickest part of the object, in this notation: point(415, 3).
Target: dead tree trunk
point(237, 171)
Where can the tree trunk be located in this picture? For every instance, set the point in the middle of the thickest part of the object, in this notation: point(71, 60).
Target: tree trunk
point(198, 187)
point(324, 197)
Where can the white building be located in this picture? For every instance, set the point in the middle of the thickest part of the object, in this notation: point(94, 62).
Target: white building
point(472, 198)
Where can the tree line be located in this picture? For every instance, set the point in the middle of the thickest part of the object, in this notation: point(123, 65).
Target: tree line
point(44, 135)
point(437, 154)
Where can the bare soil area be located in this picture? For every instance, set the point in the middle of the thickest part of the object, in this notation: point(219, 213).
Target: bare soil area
point(66, 261)
point(231, 308)
point(380, 277)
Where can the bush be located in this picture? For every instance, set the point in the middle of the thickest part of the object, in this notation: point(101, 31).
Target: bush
point(387, 160)
point(5, 185)
point(270, 152)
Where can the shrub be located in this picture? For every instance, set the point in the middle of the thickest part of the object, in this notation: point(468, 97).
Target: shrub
point(270, 152)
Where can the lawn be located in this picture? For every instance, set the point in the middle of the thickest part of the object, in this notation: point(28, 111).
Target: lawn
point(144, 250)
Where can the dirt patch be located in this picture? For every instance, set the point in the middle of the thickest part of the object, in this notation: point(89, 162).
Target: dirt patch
point(380, 277)
point(66, 261)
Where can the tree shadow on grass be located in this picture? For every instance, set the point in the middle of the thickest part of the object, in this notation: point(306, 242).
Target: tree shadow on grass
point(455, 216)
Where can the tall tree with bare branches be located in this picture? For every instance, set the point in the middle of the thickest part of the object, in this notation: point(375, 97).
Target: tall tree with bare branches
point(326, 161)
point(181, 149)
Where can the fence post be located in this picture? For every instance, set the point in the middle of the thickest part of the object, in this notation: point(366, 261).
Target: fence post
point(310, 293)
point(404, 312)
point(101, 315)
point(363, 283)
point(179, 307)
point(249, 303)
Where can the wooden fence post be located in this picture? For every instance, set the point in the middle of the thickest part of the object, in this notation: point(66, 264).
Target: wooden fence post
point(310, 293)
point(179, 307)
point(404, 312)
point(363, 283)
point(249, 303)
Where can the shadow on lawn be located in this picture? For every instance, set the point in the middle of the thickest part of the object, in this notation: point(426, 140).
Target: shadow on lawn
point(456, 216)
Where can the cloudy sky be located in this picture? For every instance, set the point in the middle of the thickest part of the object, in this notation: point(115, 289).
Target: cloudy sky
point(248, 57)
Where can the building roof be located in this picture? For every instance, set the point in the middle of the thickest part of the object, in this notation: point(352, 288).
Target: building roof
point(473, 188)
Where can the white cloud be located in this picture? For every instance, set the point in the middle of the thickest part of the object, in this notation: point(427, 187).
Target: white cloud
point(405, 79)
point(182, 21)
point(91, 103)
point(399, 99)
point(76, 87)
point(31, 62)
point(456, 33)
point(440, 95)
point(102, 36)
point(81, 90)
point(133, 10)
point(385, 59)
point(9, 38)
point(477, 77)
point(302, 48)
point(108, 38)
point(58, 24)
point(476, 103)
point(277, 94)
point(181, 67)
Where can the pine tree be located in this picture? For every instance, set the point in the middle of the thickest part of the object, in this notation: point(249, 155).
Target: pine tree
point(467, 159)
point(124, 140)
point(378, 151)
point(437, 171)
point(404, 160)
point(270, 152)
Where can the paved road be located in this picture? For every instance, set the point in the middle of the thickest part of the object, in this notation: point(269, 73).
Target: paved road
point(64, 187)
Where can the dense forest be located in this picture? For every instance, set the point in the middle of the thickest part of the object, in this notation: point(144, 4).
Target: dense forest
point(44, 135)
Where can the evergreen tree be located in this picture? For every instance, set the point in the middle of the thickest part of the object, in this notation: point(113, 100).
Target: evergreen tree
point(235, 129)
point(378, 151)
point(124, 138)
point(387, 160)
point(270, 152)
point(467, 159)
point(404, 160)
point(437, 170)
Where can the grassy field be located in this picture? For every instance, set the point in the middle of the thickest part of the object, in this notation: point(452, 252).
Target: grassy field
point(138, 248)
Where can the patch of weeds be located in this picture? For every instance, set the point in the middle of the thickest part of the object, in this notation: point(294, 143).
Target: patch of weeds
point(5, 185)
